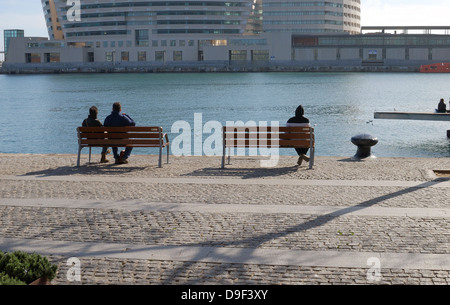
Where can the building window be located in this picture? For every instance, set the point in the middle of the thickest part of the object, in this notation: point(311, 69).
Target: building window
point(52, 57)
point(163, 43)
point(173, 43)
point(159, 56)
point(141, 37)
point(373, 54)
point(238, 55)
point(154, 43)
point(125, 56)
point(182, 43)
point(260, 55)
point(142, 56)
point(177, 55)
point(109, 56)
point(191, 43)
point(32, 58)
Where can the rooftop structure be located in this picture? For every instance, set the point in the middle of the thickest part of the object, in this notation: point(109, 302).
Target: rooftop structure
point(8, 34)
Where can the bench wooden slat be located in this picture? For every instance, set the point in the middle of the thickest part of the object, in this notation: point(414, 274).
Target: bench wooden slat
point(129, 136)
point(111, 135)
point(269, 143)
point(296, 136)
point(268, 129)
point(120, 142)
point(268, 137)
point(120, 129)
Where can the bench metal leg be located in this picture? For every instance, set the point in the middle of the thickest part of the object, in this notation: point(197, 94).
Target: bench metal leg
point(311, 158)
point(79, 153)
point(168, 151)
point(160, 156)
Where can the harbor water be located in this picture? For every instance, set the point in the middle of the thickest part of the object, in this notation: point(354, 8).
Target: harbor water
point(40, 113)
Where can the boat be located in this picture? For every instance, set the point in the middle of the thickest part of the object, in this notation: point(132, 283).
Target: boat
point(443, 67)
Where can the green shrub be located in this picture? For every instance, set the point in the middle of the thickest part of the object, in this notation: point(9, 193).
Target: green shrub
point(7, 280)
point(24, 267)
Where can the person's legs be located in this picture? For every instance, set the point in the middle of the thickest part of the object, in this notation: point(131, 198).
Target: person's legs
point(105, 151)
point(116, 155)
point(302, 155)
point(127, 153)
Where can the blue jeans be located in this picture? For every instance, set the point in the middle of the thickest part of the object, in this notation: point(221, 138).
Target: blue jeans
point(127, 152)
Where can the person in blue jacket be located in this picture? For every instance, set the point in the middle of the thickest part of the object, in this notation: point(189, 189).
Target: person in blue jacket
point(118, 119)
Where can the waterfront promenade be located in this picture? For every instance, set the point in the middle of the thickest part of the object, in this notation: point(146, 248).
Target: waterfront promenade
point(382, 221)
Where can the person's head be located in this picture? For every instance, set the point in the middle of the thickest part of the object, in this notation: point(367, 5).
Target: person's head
point(442, 100)
point(93, 112)
point(299, 111)
point(117, 107)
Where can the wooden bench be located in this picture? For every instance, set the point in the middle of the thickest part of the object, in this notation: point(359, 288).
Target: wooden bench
point(268, 137)
point(122, 137)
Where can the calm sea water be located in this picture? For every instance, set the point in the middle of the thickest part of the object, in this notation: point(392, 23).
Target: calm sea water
point(40, 113)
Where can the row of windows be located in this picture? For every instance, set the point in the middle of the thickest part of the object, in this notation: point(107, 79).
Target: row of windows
point(403, 40)
point(159, 56)
point(309, 4)
point(292, 22)
point(143, 40)
point(302, 13)
point(159, 22)
point(373, 55)
point(162, 3)
point(158, 13)
point(161, 31)
point(294, 3)
point(142, 43)
point(389, 41)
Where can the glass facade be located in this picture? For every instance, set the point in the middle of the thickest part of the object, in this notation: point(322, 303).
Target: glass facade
point(373, 40)
point(8, 34)
point(216, 19)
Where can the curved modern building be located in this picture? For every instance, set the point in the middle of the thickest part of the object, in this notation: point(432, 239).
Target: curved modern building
point(143, 21)
point(160, 32)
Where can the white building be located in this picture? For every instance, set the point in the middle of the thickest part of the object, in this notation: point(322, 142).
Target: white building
point(163, 32)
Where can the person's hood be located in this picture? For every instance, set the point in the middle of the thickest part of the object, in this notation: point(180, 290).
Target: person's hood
point(299, 112)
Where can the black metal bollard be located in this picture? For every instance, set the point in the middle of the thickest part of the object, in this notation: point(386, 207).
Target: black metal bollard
point(364, 142)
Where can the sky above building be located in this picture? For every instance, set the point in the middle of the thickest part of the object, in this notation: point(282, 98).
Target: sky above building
point(28, 15)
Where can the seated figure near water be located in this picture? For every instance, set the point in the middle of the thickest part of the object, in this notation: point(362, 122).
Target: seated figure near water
point(92, 121)
point(442, 108)
point(119, 119)
point(300, 120)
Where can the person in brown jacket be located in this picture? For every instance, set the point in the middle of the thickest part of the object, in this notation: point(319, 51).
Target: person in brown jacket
point(92, 121)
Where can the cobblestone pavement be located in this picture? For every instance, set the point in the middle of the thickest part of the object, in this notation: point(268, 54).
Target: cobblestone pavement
point(285, 225)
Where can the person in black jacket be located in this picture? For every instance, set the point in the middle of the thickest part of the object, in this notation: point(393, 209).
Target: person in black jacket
point(119, 119)
point(300, 120)
point(92, 121)
point(442, 108)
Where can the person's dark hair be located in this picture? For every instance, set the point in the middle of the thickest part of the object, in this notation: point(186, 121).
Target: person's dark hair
point(117, 106)
point(299, 111)
point(93, 112)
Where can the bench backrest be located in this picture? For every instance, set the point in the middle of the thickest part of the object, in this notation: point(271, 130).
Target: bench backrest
point(120, 136)
point(245, 136)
